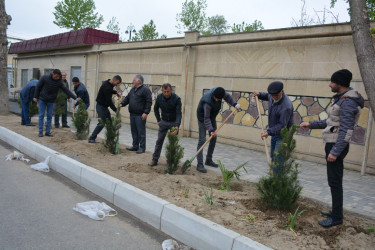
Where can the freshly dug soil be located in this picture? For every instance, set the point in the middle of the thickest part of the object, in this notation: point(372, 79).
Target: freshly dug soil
point(232, 209)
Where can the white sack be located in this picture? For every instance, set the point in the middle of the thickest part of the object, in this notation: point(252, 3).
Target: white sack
point(16, 155)
point(94, 209)
point(41, 166)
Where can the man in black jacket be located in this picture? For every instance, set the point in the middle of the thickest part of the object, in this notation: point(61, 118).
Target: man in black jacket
point(140, 101)
point(81, 92)
point(103, 101)
point(45, 95)
point(170, 105)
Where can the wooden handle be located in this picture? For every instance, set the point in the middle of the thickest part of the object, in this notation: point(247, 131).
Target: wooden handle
point(261, 123)
point(217, 130)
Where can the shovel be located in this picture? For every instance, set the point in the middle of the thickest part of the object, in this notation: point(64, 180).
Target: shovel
point(261, 123)
point(187, 163)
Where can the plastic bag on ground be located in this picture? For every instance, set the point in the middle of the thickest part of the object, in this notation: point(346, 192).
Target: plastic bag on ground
point(95, 210)
point(16, 155)
point(41, 166)
point(170, 245)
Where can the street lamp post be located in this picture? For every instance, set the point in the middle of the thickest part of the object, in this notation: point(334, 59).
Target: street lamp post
point(129, 30)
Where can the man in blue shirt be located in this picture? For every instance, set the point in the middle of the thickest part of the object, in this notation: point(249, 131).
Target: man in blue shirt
point(26, 96)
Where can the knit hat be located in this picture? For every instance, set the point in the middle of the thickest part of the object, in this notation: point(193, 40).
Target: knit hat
point(56, 72)
point(75, 79)
point(342, 77)
point(219, 93)
point(275, 87)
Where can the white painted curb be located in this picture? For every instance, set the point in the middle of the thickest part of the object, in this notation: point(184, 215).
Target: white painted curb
point(177, 222)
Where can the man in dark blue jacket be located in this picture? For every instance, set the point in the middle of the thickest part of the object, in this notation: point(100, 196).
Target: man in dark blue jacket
point(103, 101)
point(81, 92)
point(26, 96)
point(280, 114)
point(170, 105)
point(140, 102)
point(45, 94)
point(338, 129)
point(208, 108)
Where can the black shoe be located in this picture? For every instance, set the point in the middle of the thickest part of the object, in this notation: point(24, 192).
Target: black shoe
point(92, 141)
point(57, 126)
point(40, 134)
point(326, 214)
point(201, 168)
point(48, 134)
point(30, 125)
point(132, 149)
point(330, 222)
point(22, 123)
point(153, 163)
point(140, 151)
point(65, 126)
point(211, 163)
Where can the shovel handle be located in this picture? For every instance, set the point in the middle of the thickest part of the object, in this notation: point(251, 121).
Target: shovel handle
point(261, 123)
point(217, 130)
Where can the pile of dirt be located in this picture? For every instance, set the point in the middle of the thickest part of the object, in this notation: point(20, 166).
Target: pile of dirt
point(239, 210)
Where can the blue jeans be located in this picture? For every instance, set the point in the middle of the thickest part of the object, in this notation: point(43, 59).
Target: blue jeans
point(275, 145)
point(202, 140)
point(138, 129)
point(42, 108)
point(25, 119)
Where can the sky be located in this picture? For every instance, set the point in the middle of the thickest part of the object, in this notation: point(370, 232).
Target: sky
point(34, 18)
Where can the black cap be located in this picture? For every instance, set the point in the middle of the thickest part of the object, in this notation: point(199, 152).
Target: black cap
point(57, 72)
point(219, 93)
point(275, 87)
point(342, 77)
point(75, 79)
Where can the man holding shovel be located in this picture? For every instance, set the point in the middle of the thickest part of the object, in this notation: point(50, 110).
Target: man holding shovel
point(338, 129)
point(208, 108)
point(280, 114)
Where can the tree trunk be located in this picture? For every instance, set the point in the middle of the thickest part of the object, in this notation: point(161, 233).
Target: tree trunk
point(364, 48)
point(4, 22)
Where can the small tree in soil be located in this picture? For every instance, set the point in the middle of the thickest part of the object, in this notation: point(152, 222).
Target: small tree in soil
point(174, 153)
point(81, 121)
point(33, 109)
point(229, 174)
point(281, 189)
point(112, 133)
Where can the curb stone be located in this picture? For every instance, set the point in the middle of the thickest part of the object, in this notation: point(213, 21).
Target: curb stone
point(189, 228)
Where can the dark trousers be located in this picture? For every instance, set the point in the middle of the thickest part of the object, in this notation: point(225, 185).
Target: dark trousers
point(25, 119)
point(138, 130)
point(335, 173)
point(163, 129)
point(64, 117)
point(103, 113)
point(202, 140)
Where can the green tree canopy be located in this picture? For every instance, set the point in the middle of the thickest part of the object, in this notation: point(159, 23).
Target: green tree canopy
point(148, 32)
point(192, 16)
point(216, 25)
point(77, 14)
point(244, 27)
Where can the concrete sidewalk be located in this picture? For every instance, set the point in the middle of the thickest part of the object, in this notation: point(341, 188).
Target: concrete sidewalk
point(359, 195)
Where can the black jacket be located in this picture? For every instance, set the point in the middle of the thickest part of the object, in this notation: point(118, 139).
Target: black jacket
point(82, 93)
point(170, 109)
point(105, 93)
point(47, 88)
point(139, 100)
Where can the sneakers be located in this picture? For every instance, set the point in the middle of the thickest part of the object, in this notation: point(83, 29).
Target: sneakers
point(132, 149)
point(92, 141)
point(153, 163)
point(48, 134)
point(65, 126)
point(140, 151)
point(30, 125)
point(211, 163)
point(330, 222)
point(57, 126)
point(40, 134)
point(201, 168)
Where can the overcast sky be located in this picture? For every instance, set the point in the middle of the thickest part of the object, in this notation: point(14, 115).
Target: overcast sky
point(34, 18)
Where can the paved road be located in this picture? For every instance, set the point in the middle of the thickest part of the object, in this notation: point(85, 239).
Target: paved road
point(36, 213)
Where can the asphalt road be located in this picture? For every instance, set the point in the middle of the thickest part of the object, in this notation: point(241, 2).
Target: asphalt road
point(36, 213)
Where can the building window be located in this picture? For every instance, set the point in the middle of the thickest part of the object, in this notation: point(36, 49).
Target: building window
point(24, 77)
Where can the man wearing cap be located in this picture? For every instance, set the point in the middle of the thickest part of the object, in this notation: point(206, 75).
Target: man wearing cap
point(208, 108)
point(81, 92)
point(338, 128)
point(103, 101)
point(61, 107)
point(26, 96)
point(280, 114)
point(45, 95)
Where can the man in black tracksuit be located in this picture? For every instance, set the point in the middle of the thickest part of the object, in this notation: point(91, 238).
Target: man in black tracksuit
point(103, 101)
point(140, 101)
point(45, 95)
point(338, 129)
point(170, 105)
